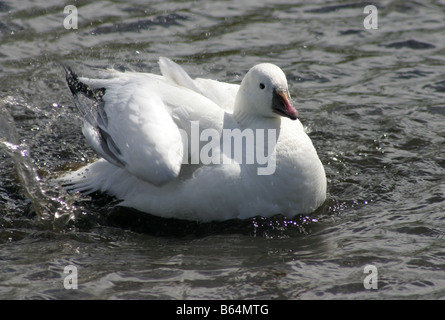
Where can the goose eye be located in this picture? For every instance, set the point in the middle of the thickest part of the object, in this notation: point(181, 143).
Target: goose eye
point(262, 86)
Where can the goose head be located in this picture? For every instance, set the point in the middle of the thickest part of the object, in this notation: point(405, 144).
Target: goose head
point(264, 92)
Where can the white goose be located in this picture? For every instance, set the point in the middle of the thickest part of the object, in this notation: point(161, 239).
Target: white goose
point(197, 149)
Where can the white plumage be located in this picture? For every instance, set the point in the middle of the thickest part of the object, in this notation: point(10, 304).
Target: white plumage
point(164, 152)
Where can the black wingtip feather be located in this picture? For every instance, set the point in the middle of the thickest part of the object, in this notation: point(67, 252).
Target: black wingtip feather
point(76, 86)
point(94, 114)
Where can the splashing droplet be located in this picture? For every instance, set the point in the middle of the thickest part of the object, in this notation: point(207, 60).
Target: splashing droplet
point(51, 204)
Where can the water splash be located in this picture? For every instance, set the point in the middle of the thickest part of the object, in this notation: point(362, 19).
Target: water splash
point(52, 204)
point(280, 226)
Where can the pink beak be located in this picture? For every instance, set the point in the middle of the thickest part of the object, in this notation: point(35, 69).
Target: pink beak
point(282, 105)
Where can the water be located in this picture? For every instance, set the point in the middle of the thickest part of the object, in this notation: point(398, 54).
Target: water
point(373, 103)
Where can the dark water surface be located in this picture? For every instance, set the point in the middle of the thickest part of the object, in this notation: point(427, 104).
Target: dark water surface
point(373, 102)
